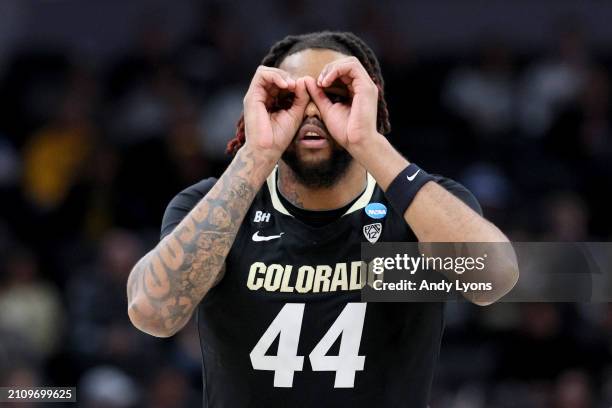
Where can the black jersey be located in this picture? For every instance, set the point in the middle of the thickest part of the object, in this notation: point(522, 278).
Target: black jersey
point(285, 327)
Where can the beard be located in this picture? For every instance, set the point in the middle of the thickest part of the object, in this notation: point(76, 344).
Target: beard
point(322, 173)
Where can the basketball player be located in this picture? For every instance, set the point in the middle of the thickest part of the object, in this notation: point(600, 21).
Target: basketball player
point(269, 253)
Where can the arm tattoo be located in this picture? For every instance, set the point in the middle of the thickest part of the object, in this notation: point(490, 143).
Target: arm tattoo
point(172, 279)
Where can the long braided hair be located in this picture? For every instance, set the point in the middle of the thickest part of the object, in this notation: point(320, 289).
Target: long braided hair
point(344, 42)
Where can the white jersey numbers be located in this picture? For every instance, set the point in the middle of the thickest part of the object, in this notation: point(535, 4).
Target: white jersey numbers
point(288, 324)
point(349, 325)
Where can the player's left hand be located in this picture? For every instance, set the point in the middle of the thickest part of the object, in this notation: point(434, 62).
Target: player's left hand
point(350, 120)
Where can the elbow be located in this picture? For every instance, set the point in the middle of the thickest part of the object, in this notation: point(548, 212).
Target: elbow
point(507, 278)
point(505, 271)
point(144, 312)
point(509, 272)
point(148, 323)
point(511, 278)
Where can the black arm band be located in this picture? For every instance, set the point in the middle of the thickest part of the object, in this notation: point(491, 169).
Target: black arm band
point(405, 187)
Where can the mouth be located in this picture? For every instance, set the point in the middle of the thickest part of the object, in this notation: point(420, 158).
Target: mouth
point(312, 137)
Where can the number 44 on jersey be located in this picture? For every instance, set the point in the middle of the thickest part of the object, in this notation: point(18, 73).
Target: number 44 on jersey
point(288, 324)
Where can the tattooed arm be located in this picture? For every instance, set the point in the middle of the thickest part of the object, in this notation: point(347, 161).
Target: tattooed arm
point(167, 284)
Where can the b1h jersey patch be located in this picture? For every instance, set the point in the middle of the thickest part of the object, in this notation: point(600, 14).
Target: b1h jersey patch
point(261, 216)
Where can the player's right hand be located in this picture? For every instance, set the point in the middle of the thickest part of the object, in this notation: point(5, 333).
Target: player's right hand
point(274, 109)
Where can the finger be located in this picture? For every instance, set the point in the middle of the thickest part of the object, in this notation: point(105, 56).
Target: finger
point(300, 101)
point(346, 70)
point(325, 70)
point(301, 94)
point(330, 66)
point(286, 76)
point(277, 72)
point(269, 79)
point(266, 83)
point(318, 96)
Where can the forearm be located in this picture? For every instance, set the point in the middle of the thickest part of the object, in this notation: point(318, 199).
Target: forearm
point(167, 284)
point(436, 215)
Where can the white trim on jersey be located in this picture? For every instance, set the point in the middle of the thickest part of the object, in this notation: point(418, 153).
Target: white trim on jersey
point(365, 197)
point(276, 202)
point(361, 202)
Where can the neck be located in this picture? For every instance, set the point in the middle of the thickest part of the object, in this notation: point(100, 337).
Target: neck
point(349, 186)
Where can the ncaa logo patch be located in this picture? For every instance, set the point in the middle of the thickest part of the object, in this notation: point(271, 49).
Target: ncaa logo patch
point(376, 210)
point(372, 231)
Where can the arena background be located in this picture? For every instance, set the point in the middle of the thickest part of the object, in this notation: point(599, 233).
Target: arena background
point(109, 108)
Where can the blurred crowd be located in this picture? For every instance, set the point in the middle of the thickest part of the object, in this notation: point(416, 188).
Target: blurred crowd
point(90, 155)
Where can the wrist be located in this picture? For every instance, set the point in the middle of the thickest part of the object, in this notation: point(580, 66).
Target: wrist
point(264, 155)
point(264, 161)
point(405, 186)
point(365, 143)
point(379, 158)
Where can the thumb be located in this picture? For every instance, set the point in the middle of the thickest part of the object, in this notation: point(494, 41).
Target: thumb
point(301, 97)
point(318, 96)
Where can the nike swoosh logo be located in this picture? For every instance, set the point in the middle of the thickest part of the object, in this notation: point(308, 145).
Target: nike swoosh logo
point(259, 238)
point(410, 178)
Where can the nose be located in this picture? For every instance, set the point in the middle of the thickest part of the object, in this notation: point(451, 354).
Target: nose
point(312, 110)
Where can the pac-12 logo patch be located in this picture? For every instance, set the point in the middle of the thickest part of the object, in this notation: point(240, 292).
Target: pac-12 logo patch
point(372, 231)
point(376, 210)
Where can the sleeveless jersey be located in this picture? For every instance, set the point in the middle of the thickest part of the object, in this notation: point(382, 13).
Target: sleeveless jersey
point(286, 327)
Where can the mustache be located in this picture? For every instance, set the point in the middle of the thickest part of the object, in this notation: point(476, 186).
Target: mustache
point(314, 121)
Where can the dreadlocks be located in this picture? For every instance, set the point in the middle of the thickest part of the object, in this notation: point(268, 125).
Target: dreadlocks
point(343, 42)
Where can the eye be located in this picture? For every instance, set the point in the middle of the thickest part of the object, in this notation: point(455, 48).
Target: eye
point(284, 101)
point(335, 97)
